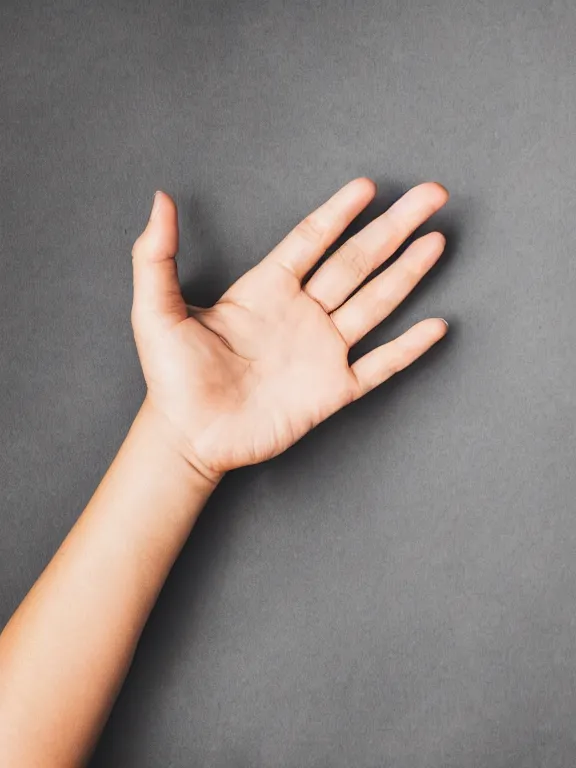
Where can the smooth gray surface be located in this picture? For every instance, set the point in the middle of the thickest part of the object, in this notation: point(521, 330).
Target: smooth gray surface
point(400, 588)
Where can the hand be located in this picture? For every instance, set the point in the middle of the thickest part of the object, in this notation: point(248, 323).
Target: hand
point(243, 380)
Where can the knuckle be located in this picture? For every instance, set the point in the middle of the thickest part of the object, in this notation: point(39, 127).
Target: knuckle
point(395, 232)
point(396, 363)
point(412, 273)
point(355, 258)
point(311, 229)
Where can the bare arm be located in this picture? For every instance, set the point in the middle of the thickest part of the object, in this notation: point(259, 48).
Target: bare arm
point(65, 652)
point(230, 385)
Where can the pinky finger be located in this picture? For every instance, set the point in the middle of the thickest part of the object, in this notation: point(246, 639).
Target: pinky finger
point(383, 362)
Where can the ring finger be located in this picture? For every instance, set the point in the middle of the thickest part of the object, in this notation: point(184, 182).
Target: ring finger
point(378, 298)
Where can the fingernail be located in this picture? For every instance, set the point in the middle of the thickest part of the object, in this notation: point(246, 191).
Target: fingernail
point(155, 206)
point(446, 323)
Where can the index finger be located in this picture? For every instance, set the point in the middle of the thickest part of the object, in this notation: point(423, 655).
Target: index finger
point(307, 242)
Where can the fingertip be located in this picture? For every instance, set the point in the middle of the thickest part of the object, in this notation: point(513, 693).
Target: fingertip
point(159, 238)
point(434, 328)
point(437, 240)
point(442, 327)
point(368, 182)
point(436, 193)
point(162, 204)
point(366, 186)
point(441, 190)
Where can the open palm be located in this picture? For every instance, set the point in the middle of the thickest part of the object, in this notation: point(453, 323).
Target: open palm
point(243, 380)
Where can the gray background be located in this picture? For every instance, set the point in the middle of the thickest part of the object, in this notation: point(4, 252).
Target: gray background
point(400, 588)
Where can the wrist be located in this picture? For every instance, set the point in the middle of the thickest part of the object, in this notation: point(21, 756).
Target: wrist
point(161, 432)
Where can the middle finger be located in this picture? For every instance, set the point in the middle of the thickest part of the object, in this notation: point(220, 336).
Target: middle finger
point(351, 264)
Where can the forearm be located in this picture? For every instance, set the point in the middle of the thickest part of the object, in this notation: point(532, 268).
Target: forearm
point(66, 650)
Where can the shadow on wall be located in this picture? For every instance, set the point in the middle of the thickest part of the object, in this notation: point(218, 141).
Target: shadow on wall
point(211, 273)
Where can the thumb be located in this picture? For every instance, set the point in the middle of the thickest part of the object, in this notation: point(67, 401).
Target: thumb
point(157, 294)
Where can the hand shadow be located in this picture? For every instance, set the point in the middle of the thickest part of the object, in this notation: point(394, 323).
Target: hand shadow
point(204, 271)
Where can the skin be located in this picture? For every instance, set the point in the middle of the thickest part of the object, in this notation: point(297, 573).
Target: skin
point(227, 386)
